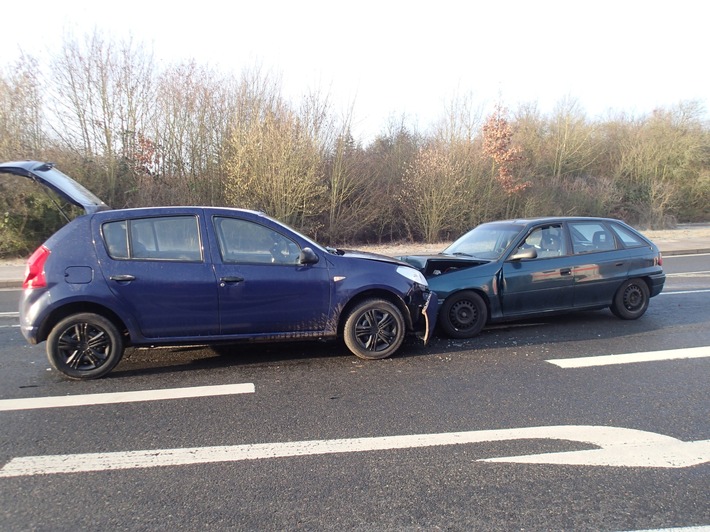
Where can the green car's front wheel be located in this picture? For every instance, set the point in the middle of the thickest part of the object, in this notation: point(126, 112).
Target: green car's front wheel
point(463, 314)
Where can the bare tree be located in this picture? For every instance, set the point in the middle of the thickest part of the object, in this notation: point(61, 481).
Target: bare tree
point(433, 192)
point(573, 143)
point(385, 162)
point(274, 163)
point(21, 110)
point(194, 109)
point(101, 96)
point(662, 157)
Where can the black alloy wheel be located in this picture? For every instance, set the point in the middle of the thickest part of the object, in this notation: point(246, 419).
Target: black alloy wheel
point(84, 346)
point(374, 329)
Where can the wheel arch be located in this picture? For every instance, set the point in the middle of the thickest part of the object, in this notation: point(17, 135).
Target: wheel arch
point(369, 294)
point(62, 312)
point(479, 291)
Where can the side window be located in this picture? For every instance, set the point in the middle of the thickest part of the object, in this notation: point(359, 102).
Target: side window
point(590, 237)
point(629, 239)
point(549, 241)
point(160, 238)
point(116, 239)
point(242, 241)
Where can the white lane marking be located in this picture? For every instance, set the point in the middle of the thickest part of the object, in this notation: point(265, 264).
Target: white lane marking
point(703, 273)
point(10, 326)
point(630, 358)
point(701, 528)
point(123, 397)
point(684, 292)
point(638, 449)
point(9, 314)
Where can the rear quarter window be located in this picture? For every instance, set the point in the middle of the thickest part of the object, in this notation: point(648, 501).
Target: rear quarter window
point(629, 239)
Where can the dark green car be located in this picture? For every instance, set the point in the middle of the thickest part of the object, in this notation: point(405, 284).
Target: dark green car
point(514, 269)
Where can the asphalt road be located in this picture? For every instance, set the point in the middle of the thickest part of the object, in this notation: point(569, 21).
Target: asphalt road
point(305, 449)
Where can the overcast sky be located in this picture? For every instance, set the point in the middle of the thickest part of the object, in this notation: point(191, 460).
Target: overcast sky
point(411, 58)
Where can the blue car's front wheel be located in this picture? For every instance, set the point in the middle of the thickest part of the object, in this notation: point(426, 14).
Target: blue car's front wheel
point(374, 329)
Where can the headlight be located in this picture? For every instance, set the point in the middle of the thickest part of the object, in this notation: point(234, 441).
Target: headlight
point(413, 275)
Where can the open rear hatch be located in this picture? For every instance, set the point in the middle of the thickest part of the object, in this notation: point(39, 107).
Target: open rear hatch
point(45, 174)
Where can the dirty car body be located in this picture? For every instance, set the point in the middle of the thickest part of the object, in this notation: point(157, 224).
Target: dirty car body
point(515, 269)
point(186, 275)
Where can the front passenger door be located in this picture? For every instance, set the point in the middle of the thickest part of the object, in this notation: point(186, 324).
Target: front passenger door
point(542, 284)
point(263, 288)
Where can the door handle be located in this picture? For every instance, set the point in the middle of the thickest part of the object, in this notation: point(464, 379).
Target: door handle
point(235, 279)
point(565, 271)
point(123, 278)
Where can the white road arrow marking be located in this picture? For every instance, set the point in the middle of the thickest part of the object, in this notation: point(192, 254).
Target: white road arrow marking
point(619, 447)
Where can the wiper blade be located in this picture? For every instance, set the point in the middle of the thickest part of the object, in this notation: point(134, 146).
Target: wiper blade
point(461, 254)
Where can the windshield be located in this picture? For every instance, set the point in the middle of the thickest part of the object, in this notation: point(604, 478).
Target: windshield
point(487, 241)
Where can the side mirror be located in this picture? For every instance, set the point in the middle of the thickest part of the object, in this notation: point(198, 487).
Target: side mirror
point(307, 256)
point(528, 253)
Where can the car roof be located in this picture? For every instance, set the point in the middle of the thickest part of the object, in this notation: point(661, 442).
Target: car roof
point(552, 219)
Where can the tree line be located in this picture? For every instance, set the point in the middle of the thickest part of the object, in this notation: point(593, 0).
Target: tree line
point(139, 132)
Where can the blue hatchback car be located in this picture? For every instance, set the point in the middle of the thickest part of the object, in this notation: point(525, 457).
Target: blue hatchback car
point(199, 275)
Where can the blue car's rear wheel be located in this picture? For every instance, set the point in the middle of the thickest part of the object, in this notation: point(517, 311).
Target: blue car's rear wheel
point(84, 346)
point(374, 329)
point(463, 314)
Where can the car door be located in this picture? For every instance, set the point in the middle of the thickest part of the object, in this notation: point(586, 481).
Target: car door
point(598, 266)
point(263, 289)
point(155, 266)
point(541, 284)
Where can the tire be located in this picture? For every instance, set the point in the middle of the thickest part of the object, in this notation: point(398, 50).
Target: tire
point(463, 314)
point(631, 300)
point(374, 329)
point(84, 346)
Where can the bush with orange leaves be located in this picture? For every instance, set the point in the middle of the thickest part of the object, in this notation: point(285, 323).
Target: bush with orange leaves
point(497, 144)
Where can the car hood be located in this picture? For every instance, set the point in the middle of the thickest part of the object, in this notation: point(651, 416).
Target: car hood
point(351, 253)
point(45, 174)
point(434, 265)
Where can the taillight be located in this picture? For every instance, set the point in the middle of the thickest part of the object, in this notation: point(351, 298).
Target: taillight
point(659, 259)
point(34, 272)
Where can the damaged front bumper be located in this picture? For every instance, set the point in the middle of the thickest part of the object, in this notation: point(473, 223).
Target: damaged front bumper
point(424, 315)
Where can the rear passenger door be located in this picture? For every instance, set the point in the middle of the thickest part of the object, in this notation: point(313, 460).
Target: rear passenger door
point(155, 266)
point(599, 268)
